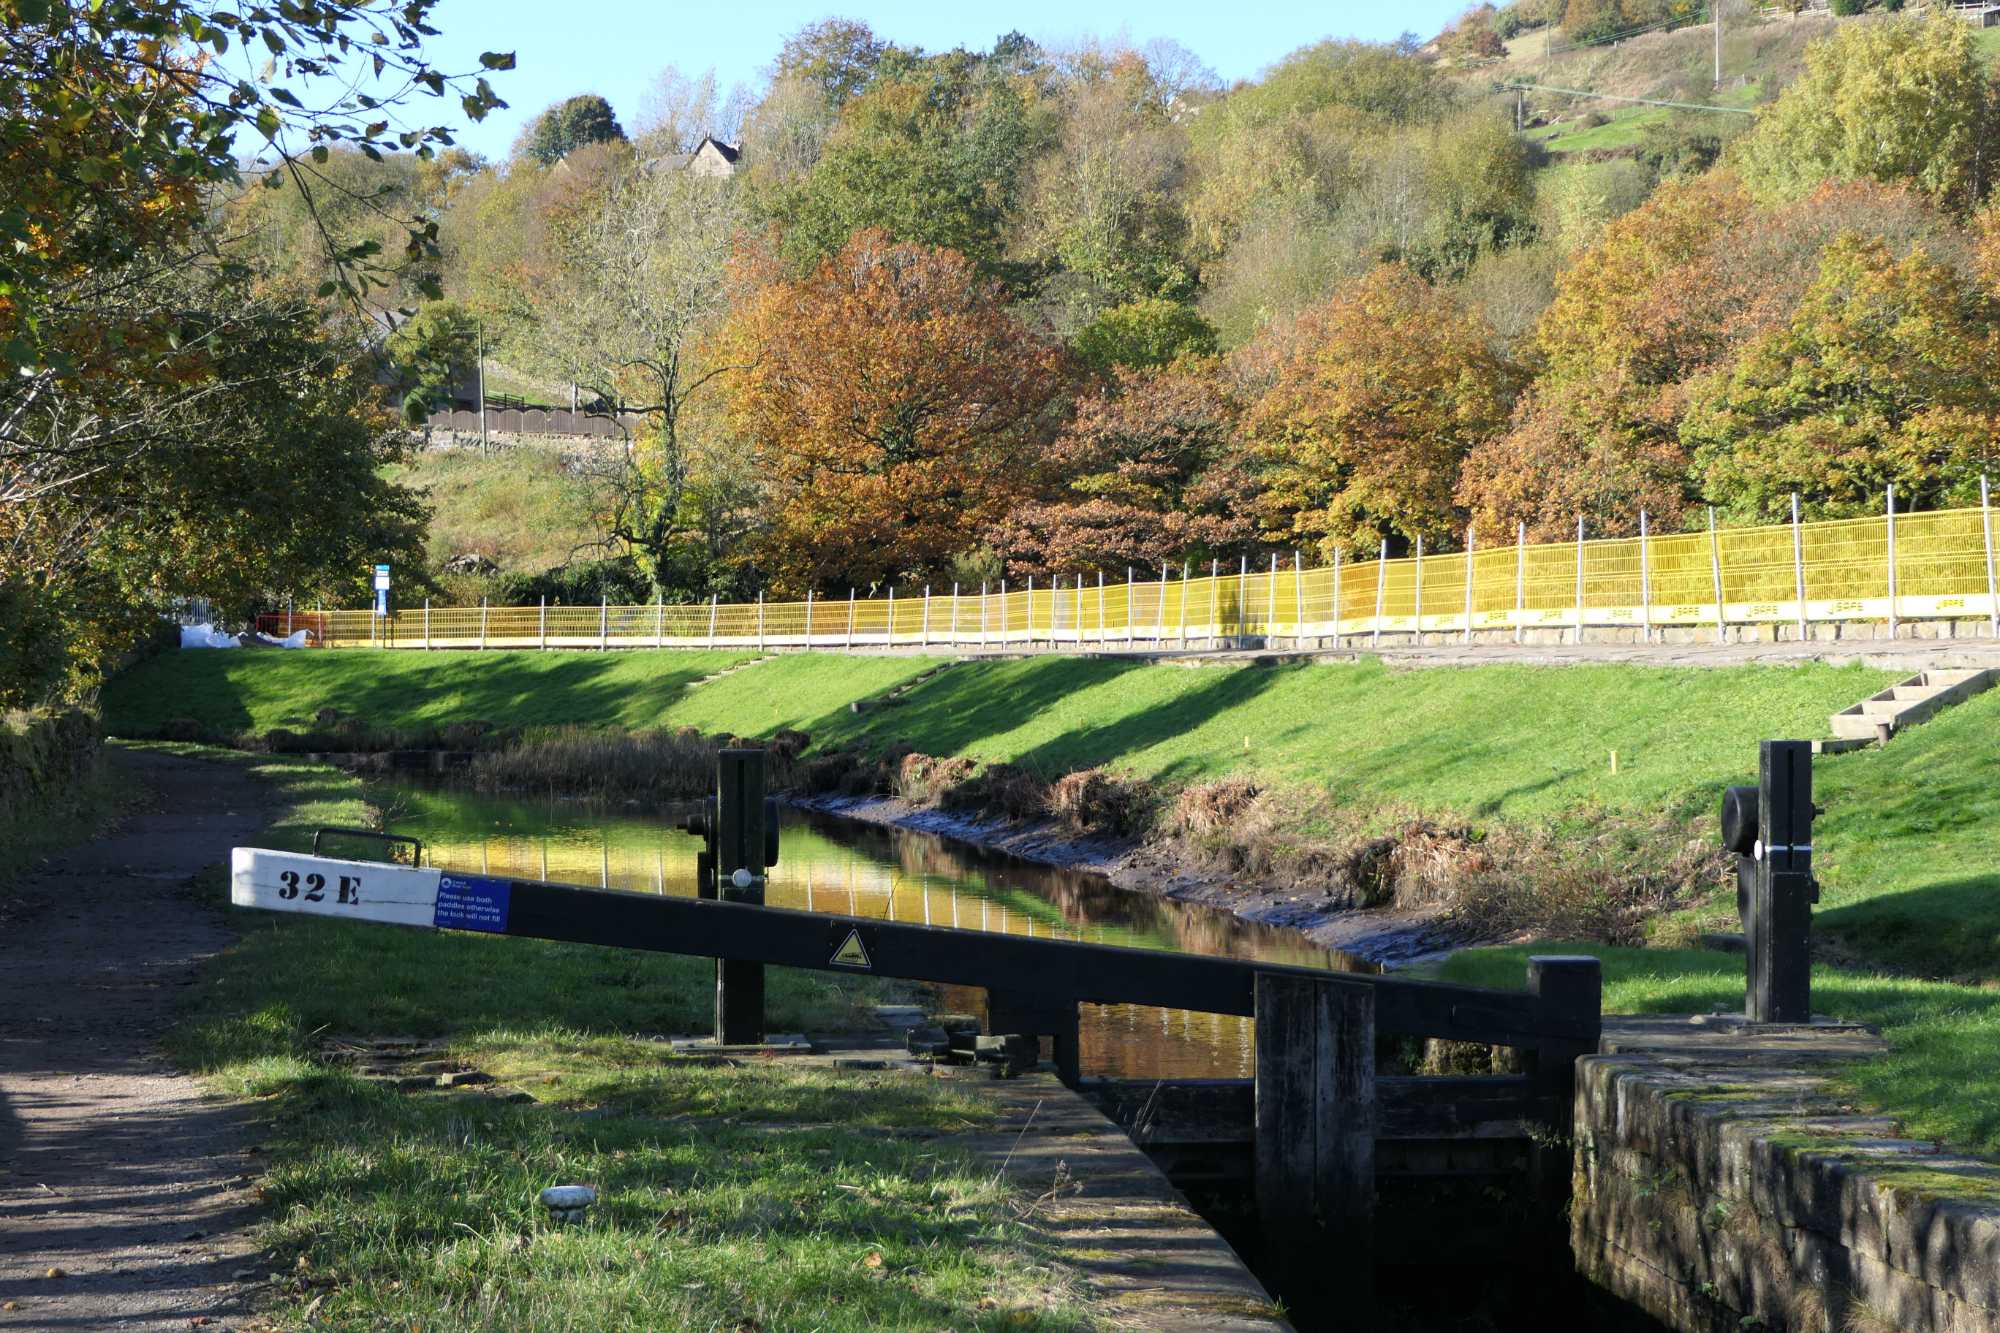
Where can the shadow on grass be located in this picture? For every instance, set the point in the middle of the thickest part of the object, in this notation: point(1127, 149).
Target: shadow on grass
point(230, 692)
point(1947, 928)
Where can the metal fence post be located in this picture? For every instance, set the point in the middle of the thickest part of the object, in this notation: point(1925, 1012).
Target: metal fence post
point(1381, 585)
point(1715, 569)
point(1579, 578)
point(760, 620)
point(982, 612)
point(1892, 561)
point(1079, 612)
point(954, 614)
point(1186, 571)
point(1214, 601)
point(660, 617)
point(1243, 594)
point(603, 621)
point(1419, 608)
point(1799, 565)
point(1992, 590)
point(1031, 610)
point(1337, 553)
point(711, 620)
point(1131, 611)
point(1468, 585)
point(482, 622)
point(809, 617)
point(1298, 594)
point(1100, 608)
point(926, 640)
point(1270, 596)
point(889, 634)
point(1520, 577)
point(1645, 580)
point(850, 617)
point(1003, 610)
point(1160, 612)
point(545, 622)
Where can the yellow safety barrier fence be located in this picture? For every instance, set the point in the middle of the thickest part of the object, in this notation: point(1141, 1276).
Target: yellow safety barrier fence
point(1899, 567)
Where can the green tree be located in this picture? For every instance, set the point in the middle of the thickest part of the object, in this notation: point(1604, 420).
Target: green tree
point(428, 351)
point(1882, 376)
point(1901, 99)
point(837, 56)
point(1152, 332)
point(933, 152)
point(573, 123)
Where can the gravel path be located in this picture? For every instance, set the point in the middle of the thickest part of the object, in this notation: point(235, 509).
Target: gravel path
point(115, 1171)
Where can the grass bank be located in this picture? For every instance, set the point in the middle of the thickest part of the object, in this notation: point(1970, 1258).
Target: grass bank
point(248, 690)
point(1565, 800)
point(1941, 1076)
point(742, 1198)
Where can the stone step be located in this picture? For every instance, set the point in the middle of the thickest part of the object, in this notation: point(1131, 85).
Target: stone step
point(1908, 702)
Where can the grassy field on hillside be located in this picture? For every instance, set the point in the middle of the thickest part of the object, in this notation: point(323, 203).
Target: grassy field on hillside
point(758, 1196)
point(516, 506)
point(1942, 1075)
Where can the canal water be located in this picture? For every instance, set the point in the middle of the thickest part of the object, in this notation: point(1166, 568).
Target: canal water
point(827, 864)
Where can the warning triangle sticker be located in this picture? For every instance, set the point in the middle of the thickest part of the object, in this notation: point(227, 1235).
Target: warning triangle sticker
point(851, 953)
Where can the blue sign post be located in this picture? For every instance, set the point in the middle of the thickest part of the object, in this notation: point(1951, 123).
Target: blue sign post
point(381, 590)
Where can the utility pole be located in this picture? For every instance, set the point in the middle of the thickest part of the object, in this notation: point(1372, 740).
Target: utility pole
point(1716, 7)
point(479, 340)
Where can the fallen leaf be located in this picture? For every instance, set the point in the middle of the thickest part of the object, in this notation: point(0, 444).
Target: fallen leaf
point(874, 1259)
point(11, 1306)
point(55, 1272)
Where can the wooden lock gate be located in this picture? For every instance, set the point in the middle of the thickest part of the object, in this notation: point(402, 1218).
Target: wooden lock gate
point(1317, 1102)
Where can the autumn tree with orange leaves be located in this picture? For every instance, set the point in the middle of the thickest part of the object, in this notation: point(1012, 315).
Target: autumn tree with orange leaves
point(1374, 402)
point(894, 409)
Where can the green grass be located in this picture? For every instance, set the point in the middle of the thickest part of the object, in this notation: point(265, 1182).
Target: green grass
point(766, 1196)
point(254, 690)
point(1490, 741)
point(1941, 1076)
point(515, 506)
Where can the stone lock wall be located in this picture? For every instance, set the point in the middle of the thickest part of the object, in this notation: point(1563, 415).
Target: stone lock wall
point(1721, 1183)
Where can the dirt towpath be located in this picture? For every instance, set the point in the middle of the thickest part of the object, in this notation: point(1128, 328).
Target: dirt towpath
point(114, 1169)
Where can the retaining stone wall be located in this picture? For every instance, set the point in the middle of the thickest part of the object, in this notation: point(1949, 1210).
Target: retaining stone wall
point(1721, 1183)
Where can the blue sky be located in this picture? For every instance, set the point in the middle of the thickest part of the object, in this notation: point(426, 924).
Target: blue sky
point(615, 47)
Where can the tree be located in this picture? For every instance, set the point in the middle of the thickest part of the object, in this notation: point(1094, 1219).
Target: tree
point(1376, 398)
point(1152, 332)
point(895, 409)
point(129, 406)
point(641, 283)
point(573, 123)
point(1882, 376)
point(837, 56)
point(1901, 99)
point(1573, 450)
point(1153, 475)
point(428, 352)
point(1100, 202)
point(933, 152)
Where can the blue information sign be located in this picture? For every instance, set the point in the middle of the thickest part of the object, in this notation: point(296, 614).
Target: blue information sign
point(468, 902)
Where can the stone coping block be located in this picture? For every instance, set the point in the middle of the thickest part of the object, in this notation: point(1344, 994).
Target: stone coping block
point(1688, 1129)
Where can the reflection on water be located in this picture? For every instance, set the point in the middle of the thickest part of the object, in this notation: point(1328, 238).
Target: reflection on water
point(833, 865)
